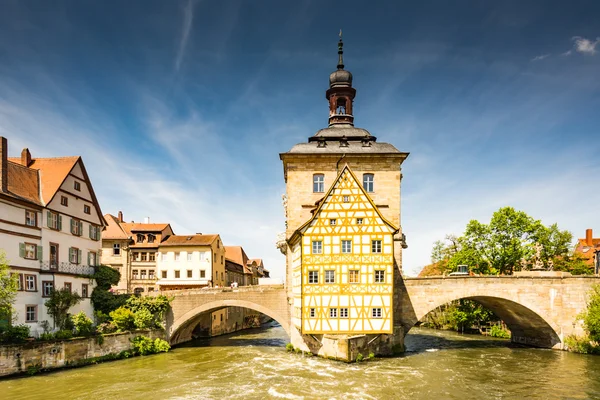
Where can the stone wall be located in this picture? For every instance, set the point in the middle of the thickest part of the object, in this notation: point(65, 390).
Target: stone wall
point(21, 358)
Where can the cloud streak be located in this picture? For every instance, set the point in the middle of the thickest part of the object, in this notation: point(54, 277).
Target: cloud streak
point(585, 46)
point(539, 58)
point(188, 18)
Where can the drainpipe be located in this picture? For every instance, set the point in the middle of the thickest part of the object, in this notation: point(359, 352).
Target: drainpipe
point(337, 165)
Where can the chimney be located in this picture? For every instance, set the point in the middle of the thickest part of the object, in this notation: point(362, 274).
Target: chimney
point(3, 164)
point(146, 220)
point(121, 216)
point(25, 157)
point(588, 237)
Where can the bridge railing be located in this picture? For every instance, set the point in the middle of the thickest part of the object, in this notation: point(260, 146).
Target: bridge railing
point(214, 290)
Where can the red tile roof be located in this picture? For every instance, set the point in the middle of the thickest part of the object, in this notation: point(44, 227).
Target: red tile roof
point(189, 240)
point(238, 256)
point(113, 229)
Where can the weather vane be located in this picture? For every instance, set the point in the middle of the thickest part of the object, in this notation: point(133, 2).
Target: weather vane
point(340, 34)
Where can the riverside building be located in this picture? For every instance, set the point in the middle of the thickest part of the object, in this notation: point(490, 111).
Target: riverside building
point(50, 231)
point(343, 236)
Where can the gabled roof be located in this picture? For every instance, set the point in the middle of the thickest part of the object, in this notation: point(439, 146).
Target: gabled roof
point(323, 202)
point(238, 256)
point(113, 228)
point(42, 178)
point(134, 227)
point(189, 240)
point(258, 261)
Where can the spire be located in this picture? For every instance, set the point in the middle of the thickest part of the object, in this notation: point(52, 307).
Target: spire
point(340, 53)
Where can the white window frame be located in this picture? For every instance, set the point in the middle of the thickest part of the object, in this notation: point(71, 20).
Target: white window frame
point(332, 221)
point(333, 312)
point(344, 312)
point(30, 251)
point(177, 256)
point(47, 288)
point(330, 276)
point(359, 221)
point(318, 183)
point(30, 283)
point(350, 275)
point(313, 277)
point(312, 312)
point(369, 183)
point(376, 246)
point(116, 249)
point(317, 247)
point(377, 312)
point(346, 246)
point(33, 310)
point(30, 218)
point(189, 256)
point(379, 276)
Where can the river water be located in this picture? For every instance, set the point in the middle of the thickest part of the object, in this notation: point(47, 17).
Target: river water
point(254, 365)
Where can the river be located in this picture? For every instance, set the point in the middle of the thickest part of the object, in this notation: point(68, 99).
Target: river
point(254, 365)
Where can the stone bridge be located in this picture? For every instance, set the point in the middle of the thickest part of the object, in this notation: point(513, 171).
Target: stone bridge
point(540, 311)
point(188, 305)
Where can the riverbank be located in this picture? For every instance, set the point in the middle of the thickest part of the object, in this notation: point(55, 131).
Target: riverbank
point(39, 356)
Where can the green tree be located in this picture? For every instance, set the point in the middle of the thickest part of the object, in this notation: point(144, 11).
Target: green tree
point(8, 289)
point(59, 304)
point(499, 246)
point(591, 317)
point(103, 299)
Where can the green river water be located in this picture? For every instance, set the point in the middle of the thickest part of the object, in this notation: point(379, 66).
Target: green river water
point(254, 365)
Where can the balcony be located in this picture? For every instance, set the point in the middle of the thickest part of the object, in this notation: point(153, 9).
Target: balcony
point(67, 268)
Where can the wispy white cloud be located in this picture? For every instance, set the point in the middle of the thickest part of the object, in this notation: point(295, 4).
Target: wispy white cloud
point(188, 18)
point(566, 53)
point(585, 46)
point(541, 57)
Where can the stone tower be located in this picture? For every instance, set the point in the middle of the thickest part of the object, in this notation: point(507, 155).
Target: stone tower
point(311, 170)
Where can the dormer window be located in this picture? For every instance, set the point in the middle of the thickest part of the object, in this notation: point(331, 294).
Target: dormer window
point(318, 183)
point(140, 238)
point(151, 238)
point(368, 180)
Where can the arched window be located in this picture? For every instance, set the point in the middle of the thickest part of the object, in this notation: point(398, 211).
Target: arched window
point(368, 180)
point(341, 106)
point(318, 183)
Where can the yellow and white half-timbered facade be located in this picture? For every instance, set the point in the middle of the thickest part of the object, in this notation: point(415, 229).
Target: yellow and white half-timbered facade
point(343, 264)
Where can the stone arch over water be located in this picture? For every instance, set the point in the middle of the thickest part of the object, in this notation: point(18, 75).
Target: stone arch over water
point(528, 325)
point(180, 330)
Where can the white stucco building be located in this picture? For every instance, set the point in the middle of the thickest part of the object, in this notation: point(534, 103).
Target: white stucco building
point(50, 231)
point(191, 261)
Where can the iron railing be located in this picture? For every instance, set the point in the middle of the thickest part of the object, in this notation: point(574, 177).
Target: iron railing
point(67, 268)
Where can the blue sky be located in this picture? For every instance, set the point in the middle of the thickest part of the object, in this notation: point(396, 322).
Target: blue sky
point(181, 108)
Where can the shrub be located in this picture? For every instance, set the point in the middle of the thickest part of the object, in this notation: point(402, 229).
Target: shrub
point(106, 327)
point(63, 334)
point(144, 345)
point(498, 332)
point(58, 306)
point(143, 319)
point(161, 346)
point(123, 318)
point(83, 325)
point(289, 347)
point(100, 317)
point(591, 317)
point(359, 357)
point(46, 336)
point(581, 344)
point(14, 334)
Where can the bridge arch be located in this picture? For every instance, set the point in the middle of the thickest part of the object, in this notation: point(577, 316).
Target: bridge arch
point(528, 324)
point(181, 328)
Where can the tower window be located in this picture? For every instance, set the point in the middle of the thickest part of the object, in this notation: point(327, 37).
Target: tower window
point(332, 221)
point(318, 183)
point(341, 106)
point(359, 221)
point(346, 199)
point(368, 182)
point(313, 276)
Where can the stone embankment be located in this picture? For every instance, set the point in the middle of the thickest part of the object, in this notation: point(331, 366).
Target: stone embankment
point(36, 356)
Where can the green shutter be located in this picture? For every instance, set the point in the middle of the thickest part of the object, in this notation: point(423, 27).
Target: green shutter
point(59, 222)
point(80, 228)
point(91, 232)
point(70, 254)
point(49, 219)
point(22, 250)
point(78, 256)
point(89, 258)
point(40, 253)
point(72, 225)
